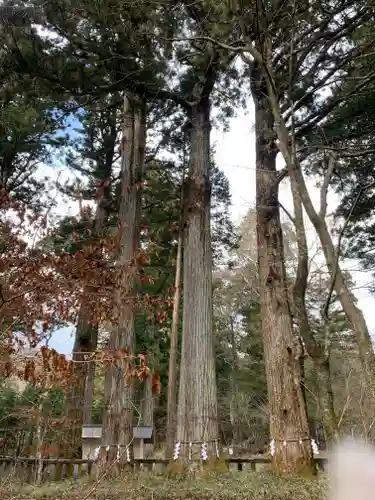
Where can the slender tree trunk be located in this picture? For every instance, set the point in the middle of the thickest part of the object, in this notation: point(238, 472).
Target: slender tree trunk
point(173, 351)
point(39, 442)
point(352, 312)
point(316, 351)
point(118, 387)
point(289, 428)
point(234, 391)
point(197, 400)
point(148, 401)
point(148, 407)
point(326, 401)
point(90, 380)
point(85, 333)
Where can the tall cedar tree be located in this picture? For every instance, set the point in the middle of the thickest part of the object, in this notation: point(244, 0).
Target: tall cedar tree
point(118, 389)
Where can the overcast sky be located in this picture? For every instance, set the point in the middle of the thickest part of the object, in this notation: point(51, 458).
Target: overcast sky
point(235, 155)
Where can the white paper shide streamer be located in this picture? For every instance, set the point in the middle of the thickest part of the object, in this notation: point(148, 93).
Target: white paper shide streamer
point(204, 451)
point(177, 449)
point(314, 447)
point(272, 448)
point(217, 449)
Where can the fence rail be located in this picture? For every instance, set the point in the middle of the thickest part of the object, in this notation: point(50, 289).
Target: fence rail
point(26, 469)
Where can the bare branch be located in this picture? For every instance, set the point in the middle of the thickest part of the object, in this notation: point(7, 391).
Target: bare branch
point(243, 48)
point(344, 153)
point(327, 302)
point(288, 214)
point(325, 186)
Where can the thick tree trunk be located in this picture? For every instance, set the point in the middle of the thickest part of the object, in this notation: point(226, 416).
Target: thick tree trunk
point(288, 416)
point(173, 351)
point(117, 433)
point(316, 351)
point(197, 402)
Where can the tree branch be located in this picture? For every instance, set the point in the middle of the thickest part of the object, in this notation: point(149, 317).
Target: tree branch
point(327, 302)
point(310, 122)
point(287, 213)
point(325, 186)
point(231, 48)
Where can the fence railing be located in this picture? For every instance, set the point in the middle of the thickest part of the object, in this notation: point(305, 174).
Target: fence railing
point(27, 469)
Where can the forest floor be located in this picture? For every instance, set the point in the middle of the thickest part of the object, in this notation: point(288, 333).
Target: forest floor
point(238, 486)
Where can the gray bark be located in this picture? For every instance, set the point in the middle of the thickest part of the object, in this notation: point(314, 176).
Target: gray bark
point(118, 387)
point(316, 351)
point(288, 415)
point(197, 400)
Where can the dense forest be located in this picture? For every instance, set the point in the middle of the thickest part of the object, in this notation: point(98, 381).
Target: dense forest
point(224, 338)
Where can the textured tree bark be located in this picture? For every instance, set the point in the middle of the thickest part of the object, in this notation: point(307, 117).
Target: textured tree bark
point(197, 399)
point(173, 351)
point(326, 401)
point(117, 433)
point(316, 351)
point(288, 417)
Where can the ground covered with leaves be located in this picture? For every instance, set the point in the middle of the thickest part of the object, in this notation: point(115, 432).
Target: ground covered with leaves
point(241, 486)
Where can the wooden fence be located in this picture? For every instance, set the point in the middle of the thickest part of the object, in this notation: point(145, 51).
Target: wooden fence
point(27, 469)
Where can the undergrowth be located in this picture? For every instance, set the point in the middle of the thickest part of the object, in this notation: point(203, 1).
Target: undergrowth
point(239, 486)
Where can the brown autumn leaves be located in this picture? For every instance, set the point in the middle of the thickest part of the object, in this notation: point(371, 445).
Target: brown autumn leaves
point(41, 291)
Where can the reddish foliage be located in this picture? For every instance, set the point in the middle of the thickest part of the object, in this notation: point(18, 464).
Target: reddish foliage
point(156, 385)
point(40, 290)
point(46, 369)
